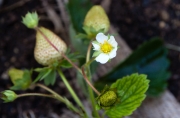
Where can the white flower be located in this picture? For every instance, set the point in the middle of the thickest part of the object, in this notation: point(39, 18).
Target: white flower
point(105, 48)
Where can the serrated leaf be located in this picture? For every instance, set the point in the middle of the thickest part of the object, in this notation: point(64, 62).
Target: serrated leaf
point(150, 59)
point(24, 82)
point(50, 78)
point(42, 74)
point(131, 92)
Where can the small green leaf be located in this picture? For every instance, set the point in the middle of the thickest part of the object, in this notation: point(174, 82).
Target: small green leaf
point(131, 92)
point(50, 78)
point(96, 53)
point(42, 74)
point(24, 82)
point(65, 64)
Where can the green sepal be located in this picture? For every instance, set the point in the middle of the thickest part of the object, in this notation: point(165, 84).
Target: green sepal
point(42, 74)
point(46, 74)
point(8, 96)
point(82, 36)
point(91, 32)
point(131, 92)
point(98, 107)
point(30, 20)
point(96, 53)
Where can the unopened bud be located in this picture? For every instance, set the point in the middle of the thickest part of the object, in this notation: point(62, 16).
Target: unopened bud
point(8, 96)
point(30, 20)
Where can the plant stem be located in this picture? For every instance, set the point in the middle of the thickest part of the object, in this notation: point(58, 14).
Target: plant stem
point(88, 52)
point(86, 79)
point(60, 98)
point(87, 56)
point(35, 94)
point(89, 81)
point(76, 67)
point(90, 61)
point(70, 89)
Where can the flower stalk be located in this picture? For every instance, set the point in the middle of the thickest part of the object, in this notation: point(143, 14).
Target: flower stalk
point(60, 98)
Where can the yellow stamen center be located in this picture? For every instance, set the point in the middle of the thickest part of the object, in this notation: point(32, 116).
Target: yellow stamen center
point(106, 47)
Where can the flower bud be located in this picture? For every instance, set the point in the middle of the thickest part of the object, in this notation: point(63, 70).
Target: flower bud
point(8, 96)
point(97, 19)
point(44, 52)
point(108, 98)
point(30, 20)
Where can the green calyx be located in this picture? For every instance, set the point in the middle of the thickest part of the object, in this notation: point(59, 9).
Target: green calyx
point(107, 98)
point(30, 20)
point(8, 96)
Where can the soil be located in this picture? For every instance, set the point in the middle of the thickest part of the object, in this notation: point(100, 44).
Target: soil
point(136, 21)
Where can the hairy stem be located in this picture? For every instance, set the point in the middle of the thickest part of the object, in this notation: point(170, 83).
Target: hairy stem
point(89, 83)
point(35, 94)
point(88, 79)
point(88, 52)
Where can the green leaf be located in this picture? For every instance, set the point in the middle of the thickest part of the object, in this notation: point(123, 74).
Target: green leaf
point(42, 74)
point(77, 10)
point(131, 92)
point(24, 82)
point(77, 18)
point(50, 78)
point(150, 59)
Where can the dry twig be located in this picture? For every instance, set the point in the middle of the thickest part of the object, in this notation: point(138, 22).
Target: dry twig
point(15, 5)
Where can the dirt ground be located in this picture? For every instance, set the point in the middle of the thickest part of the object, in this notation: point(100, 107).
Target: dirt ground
point(136, 22)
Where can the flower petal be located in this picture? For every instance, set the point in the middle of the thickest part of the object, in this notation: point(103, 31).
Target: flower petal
point(102, 58)
point(112, 41)
point(100, 37)
point(112, 54)
point(96, 46)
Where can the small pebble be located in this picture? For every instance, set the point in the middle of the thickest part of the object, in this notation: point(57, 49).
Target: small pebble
point(13, 59)
point(16, 50)
point(164, 15)
point(162, 24)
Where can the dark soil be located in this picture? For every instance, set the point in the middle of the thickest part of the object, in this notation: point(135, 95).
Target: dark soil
point(137, 21)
